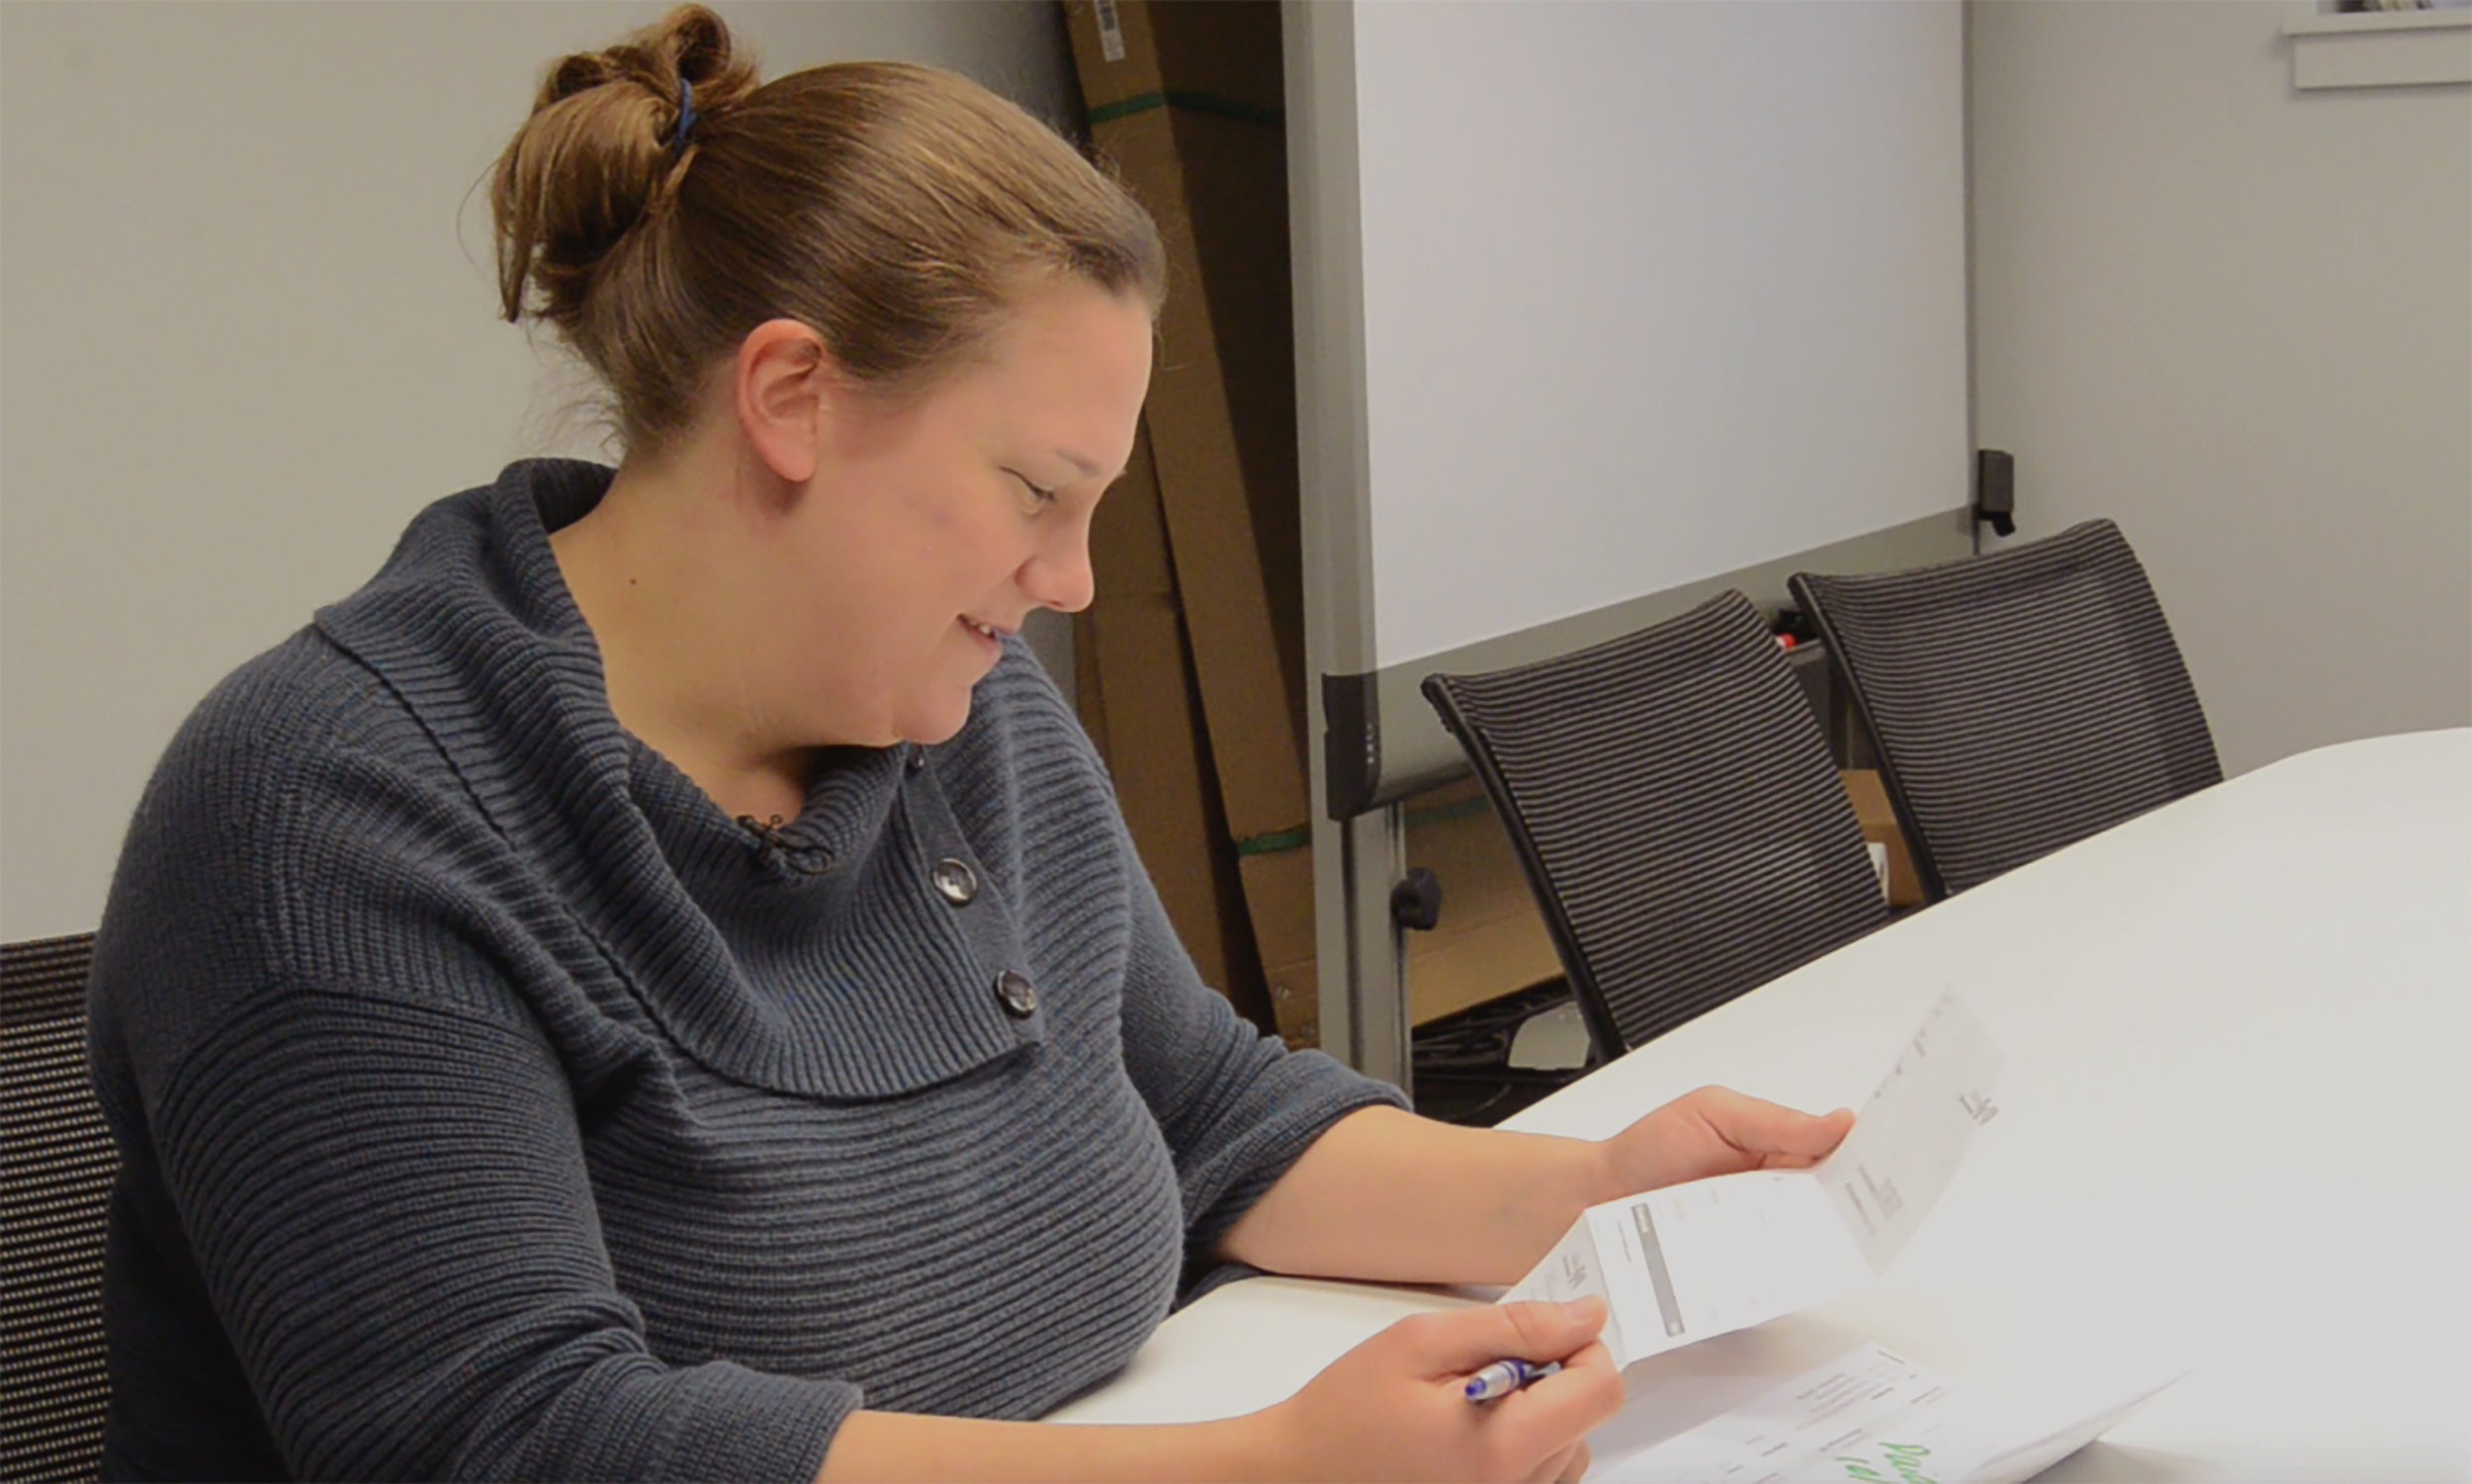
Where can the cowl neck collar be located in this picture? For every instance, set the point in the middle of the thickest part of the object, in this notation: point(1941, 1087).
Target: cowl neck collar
point(472, 627)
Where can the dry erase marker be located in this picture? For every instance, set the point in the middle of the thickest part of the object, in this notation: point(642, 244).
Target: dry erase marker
point(1503, 1377)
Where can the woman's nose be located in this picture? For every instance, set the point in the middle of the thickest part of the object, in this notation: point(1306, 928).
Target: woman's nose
point(1060, 577)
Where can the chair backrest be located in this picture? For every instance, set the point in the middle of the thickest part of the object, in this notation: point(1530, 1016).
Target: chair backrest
point(57, 1165)
point(1672, 800)
point(2019, 701)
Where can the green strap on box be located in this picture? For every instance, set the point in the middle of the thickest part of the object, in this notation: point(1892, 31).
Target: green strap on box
point(1207, 103)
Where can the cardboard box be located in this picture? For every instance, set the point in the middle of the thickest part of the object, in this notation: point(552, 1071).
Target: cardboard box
point(1879, 821)
point(1279, 895)
point(1141, 706)
point(1491, 939)
point(1185, 103)
point(1089, 701)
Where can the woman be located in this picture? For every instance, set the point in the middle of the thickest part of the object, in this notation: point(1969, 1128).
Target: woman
point(654, 984)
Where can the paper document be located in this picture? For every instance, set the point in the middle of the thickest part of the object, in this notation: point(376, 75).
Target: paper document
point(1868, 1417)
point(1691, 1261)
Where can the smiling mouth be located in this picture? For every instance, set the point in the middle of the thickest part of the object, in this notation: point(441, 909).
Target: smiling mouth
point(989, 631)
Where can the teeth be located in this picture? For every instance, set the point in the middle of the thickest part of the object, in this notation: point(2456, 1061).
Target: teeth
point(985, 629)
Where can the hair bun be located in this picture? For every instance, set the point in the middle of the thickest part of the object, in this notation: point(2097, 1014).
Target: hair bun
point(601, 153)
point(703, 49)
point(690, 43)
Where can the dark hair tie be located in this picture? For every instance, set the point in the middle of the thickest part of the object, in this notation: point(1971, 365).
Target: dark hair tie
point(686, 114)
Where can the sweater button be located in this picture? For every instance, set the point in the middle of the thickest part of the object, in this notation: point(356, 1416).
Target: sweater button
point(1017, 995)
point(954, 881)
point(916, 760)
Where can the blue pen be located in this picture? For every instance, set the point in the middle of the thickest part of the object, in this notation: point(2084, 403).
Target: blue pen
point(1503, 1377)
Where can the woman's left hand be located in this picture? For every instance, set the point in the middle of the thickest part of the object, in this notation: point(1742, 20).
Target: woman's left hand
point(1716, 1131)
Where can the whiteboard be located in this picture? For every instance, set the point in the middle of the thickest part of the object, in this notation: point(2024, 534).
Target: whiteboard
point(1649, 293)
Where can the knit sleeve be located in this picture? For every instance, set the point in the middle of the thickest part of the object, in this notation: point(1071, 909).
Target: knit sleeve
point(1237, 1107)
point(371, 1152)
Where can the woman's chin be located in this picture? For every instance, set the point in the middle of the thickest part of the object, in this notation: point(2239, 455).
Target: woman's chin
point(929, 726)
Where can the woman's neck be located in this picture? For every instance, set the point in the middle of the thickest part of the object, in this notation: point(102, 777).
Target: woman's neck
point(651, 568)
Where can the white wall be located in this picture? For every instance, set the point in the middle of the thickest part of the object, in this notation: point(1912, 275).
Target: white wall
point(2238, 320)
point(246, 333)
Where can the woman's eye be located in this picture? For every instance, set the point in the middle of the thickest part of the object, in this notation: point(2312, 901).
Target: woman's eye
point(1043, 497)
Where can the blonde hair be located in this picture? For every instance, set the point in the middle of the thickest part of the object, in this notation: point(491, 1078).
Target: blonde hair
point(897, 209)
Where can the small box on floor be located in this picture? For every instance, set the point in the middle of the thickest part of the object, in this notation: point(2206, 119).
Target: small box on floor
point(1879, 822)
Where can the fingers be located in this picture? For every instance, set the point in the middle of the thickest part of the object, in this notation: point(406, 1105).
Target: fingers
point(1545, 1425)
point(1778, 1136)
point(1459, 1341)
point(1565, 1467)
point(1553, 1470)
point(1571, 1404)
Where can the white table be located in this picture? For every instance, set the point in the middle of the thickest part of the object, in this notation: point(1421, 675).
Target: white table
point(2237, 1130)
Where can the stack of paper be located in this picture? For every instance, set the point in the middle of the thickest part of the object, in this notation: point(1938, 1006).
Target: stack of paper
point(1868, 1417)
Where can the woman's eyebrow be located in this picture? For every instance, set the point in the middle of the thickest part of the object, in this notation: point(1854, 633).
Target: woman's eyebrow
point(1089, 469)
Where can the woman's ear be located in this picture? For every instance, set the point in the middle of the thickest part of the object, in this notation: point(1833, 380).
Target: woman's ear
point(782, 376)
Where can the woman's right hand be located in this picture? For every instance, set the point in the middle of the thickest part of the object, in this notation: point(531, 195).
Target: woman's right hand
point(1394, 1407)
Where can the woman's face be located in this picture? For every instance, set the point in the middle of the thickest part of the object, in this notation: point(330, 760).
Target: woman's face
point(930, 529)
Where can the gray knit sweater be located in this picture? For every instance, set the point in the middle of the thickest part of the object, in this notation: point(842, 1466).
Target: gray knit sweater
point(491, 1105)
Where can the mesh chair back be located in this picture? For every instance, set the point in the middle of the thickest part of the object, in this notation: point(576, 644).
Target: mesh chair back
point(57, 1165)
point(2020, 701)
point(1673, 801)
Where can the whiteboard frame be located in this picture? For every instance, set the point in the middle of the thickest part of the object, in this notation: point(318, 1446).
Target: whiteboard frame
point(1380, 742)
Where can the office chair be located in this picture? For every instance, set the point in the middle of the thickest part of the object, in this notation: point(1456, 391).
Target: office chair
point(2019, 701)
point(1674, 806)
point(57, 1165)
